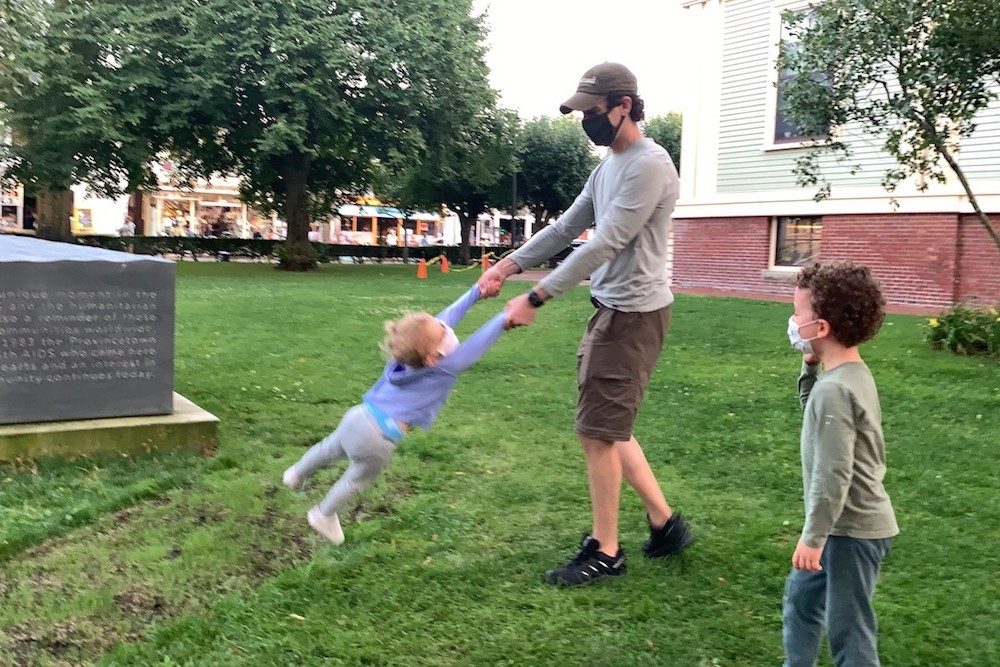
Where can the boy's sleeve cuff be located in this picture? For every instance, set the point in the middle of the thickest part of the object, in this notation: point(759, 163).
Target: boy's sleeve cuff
point(813, 541)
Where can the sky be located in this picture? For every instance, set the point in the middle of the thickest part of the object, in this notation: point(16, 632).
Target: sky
point(538, 49)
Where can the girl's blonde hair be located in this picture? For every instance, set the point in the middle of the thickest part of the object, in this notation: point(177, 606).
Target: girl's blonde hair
point(408, 340)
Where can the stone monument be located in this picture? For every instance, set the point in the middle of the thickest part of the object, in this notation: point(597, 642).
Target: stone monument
point(86, 353)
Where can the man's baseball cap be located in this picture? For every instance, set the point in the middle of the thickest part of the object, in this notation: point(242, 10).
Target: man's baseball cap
point(597, 83)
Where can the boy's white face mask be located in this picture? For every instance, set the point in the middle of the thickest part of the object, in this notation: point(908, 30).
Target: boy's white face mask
point(803, 345)
point(449, 342)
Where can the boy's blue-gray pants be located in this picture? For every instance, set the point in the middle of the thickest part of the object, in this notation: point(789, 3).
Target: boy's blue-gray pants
point(359, 439)
point(841, 595)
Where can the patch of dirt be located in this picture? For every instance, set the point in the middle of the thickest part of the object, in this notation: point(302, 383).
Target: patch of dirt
point(209, 514)
point(41, 579)
point(267, 518)
point(281, 539)
point(373, 508)
point(301, 546)
point(263, 562)
point(141, 604)
point(41, 582)
point(41, 550)
point(125, 516)
point(26, 643)
point(367, 510)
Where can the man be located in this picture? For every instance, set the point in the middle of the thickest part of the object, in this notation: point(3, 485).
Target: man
point(630, 197)
point(127, 228)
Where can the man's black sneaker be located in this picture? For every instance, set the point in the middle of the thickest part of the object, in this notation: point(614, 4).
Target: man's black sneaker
point(587, 566)
point(669, 540)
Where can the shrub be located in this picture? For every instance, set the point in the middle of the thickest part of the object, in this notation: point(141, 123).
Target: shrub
point(966, 330)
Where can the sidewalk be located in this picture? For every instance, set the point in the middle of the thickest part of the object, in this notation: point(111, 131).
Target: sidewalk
point(534, 275)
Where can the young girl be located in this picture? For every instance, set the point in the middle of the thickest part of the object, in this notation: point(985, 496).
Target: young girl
point(425, 360)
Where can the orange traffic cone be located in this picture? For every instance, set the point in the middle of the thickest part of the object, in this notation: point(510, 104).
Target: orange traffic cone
point(486, 263)
point(422, 269)
point(444, 264)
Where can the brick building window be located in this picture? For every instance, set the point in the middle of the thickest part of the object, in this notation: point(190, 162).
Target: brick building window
point(796, 240)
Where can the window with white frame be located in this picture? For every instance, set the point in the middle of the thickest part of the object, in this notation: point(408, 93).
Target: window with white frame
point(783, 131)
point(797, 240)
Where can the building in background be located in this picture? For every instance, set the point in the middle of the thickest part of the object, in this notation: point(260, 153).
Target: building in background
point(212, 208)
point(742, 226)
point(17, 212)
point(370, 222)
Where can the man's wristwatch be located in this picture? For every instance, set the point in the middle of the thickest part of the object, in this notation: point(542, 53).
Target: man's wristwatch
point(535, 300)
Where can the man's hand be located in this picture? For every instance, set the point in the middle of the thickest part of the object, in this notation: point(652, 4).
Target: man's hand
point(807, 557)
point(811, 359)
point(493, 278)
point(490, 283)
point(520, 313)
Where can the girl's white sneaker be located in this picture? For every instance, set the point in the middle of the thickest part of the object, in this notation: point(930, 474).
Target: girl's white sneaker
point(291, 479)
point(327, 526)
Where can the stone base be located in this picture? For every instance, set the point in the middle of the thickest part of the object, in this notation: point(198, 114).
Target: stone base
point(189, 427)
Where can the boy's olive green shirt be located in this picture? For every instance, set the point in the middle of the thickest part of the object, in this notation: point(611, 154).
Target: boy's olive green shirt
point(843, 455)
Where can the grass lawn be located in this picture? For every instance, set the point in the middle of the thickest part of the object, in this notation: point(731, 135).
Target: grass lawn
point(178, 560)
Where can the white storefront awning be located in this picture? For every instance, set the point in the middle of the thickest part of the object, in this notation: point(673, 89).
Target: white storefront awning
point(355, 211)
point(425, 217)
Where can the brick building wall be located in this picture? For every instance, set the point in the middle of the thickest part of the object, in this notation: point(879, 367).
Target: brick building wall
point(924, 261)
point(978, 262)
point(915, 257)
point(725, 255)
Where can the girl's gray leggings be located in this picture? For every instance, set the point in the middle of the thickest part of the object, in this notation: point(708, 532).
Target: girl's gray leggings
point(359, 439)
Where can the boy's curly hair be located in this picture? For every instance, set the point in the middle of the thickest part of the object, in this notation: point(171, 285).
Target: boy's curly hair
point(847, 296)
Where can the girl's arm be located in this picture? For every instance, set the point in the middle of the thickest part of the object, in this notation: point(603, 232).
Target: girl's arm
point(454, 313)
point(475, 346)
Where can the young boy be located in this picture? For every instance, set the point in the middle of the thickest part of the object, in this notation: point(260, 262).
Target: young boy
point(849, 519)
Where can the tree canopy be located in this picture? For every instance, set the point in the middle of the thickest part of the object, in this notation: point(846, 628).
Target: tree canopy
point(666, 131)
point(469, 170)
point(306, 101)
point(915, 72)
point(555, 159)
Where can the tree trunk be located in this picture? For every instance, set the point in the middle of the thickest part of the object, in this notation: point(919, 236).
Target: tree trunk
point(297, 253)
point(467, 222)
point(55, 212)
point(468, 216)
point(983, 218)
point(135, 210)
point(942, 149)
